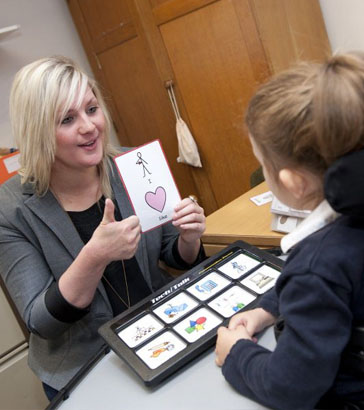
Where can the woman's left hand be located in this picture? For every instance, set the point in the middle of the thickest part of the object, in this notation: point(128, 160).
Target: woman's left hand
point(189, 219)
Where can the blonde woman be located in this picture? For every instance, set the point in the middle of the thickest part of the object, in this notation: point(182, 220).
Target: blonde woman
point(72, 254)
point(307, 131)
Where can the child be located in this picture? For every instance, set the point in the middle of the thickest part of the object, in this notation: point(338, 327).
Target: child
point(306, 127)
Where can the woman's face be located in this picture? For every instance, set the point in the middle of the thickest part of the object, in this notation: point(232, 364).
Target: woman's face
point(80, 134)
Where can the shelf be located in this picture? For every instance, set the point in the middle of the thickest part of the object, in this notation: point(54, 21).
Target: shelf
point(5, 31)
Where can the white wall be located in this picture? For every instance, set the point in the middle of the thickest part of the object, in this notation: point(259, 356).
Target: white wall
point(46, 28)
point(344, 24)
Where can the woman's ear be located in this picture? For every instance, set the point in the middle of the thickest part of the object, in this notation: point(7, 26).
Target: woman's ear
point(294, 182)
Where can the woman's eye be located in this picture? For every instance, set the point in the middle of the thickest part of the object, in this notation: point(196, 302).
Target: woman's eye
point(67, 120)
point(92, 110)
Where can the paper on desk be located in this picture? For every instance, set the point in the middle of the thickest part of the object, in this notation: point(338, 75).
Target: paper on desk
point(286, 219)
point(263, 198)
point(282, 209)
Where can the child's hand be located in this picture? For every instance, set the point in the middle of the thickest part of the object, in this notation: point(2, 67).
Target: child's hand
point(226, 339)
point(253, 320)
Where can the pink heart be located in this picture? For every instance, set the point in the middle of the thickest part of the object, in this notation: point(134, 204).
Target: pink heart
point(157, 199)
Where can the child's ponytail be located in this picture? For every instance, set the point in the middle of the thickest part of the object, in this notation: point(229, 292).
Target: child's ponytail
point(311, 114)
point(338, 106)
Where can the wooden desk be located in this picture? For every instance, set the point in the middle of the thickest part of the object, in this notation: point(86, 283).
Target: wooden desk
point(242, 220)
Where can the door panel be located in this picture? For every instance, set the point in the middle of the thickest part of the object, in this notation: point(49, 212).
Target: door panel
point(143, 104)
point(216, 77)
point(122, 62)
point(291, 31)
point(216, 52)
point(168, 10)
point(153, 38)
point(12, 335)
point(108, 22)
point(85, 25)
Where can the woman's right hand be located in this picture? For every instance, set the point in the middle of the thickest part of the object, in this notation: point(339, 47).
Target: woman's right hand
point(253, 320)
point(115, 240)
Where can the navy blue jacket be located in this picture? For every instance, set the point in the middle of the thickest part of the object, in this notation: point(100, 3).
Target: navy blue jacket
point(320, 294)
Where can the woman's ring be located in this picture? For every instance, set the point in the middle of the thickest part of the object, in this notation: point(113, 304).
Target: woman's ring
point(193, 198)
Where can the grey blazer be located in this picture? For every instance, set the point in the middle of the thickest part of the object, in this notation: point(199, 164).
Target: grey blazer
point(38, 242)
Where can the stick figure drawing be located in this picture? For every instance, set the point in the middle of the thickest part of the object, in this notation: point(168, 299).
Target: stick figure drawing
point(142, 161)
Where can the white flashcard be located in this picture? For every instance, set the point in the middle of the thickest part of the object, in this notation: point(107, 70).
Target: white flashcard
point(175, 308)
point(149, 184)
point(232, 301)
point(239, 265)
point(140, 330)
point(197, 325)
point(161, 349)
point(208, 286)
point(262, 279)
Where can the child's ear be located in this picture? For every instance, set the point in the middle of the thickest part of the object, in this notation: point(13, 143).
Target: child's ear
point(293, 181)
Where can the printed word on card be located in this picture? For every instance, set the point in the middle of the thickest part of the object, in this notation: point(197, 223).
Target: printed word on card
point(149, 183)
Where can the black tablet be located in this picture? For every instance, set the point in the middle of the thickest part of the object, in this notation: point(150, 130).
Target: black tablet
point(171, 327)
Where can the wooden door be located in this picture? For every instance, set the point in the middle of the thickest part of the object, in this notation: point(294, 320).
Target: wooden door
point(216, 53)
point(123, 64)
point(217, 61)
point(291, 30)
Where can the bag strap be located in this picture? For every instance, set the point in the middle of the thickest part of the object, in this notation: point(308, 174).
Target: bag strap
point(173, 100)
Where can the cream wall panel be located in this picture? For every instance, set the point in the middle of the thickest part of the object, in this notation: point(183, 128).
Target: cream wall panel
point(11, 335)
point(344, 24)
point(20, 389)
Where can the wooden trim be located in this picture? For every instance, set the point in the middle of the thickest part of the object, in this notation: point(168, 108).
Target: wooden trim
point(176, 8)
point(252, 239)
point(252, 38)
point(212, 249)
point(144, 17)
point(119, 36)
point(91, 53)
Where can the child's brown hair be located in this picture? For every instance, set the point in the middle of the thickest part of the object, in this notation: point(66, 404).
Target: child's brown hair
point(310, 115)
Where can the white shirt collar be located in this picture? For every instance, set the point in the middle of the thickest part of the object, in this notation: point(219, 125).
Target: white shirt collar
point(321, 216)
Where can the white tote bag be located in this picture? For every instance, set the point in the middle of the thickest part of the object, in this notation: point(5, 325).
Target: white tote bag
point(187, 148)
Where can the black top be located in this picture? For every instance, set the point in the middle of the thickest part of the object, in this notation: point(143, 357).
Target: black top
point(343, 184)
point(320, 294)
point(86, 222)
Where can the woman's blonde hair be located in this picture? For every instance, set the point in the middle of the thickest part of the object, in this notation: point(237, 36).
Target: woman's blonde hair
point(41, 94)
point(310, 115)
